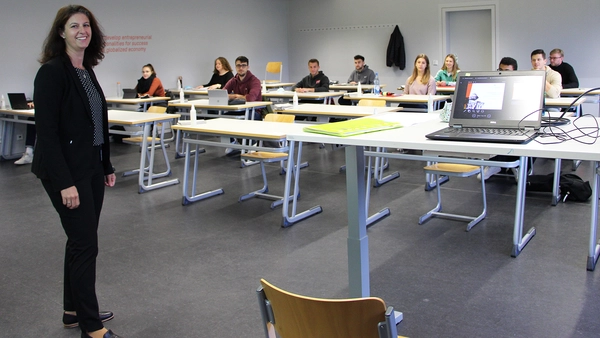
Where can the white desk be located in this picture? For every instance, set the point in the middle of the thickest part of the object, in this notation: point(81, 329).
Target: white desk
point(301, 96)
point(202, 107)
point(564, 102)
point(444, 90)
point(413, 137)
point(323, 112)
point(404, 98)
point(574, 92)
point(136, 101)
point(353, 87)
point(258, 130)
point(145, 172)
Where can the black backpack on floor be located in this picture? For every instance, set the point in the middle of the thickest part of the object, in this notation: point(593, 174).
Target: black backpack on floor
point(572, 187)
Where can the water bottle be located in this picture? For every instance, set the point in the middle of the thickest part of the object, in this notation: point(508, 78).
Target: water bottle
point(181, 96)
point(2, 103)
point(119, 90)
point(295, 100)
point(193, 115)
point(359, 89)
point(264, 87)
point(376, 87)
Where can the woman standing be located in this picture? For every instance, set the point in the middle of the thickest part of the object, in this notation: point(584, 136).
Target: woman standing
point(73, 156)
point(420, 82)
point(447, 75)
point(221, 74)
point(149, 85)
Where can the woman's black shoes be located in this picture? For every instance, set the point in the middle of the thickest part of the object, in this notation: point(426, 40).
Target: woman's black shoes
point(70, 321)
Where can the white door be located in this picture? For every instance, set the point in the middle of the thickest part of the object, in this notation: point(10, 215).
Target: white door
point(470, 35)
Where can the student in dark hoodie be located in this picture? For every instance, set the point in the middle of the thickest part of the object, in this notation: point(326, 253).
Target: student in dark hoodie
point(316, 81)
point(361, 73)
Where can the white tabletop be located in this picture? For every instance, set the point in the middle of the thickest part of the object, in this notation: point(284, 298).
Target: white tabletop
point(125, 117)
point(333, 110)
point(136, 100)
point(203, 104)
point(289, 94)
point(412, 136)
point(347, 86)
point(242, 128)
point(402, 98)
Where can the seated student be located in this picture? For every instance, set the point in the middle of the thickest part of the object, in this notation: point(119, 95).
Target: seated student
point(420, 82)
point(315, 81)
point(506, 64)
point(30, 137)
point(221, 75)
point(149, 85)
point(245, 86)
point(361, 73)
point(566, 71)
point(447, 75)
point(553, 79)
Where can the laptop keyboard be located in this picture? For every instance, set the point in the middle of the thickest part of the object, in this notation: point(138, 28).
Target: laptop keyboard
point(489, 131)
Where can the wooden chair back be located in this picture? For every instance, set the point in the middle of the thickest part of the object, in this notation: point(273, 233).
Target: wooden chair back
point(157, 109)
point(371, 103)
point(287, 118)
point(298, 316)
point(274, 67)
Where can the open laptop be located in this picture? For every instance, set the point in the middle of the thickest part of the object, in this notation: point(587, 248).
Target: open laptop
point(18, 101)
point(501, 106)
point(129, 93)
point(219, 97)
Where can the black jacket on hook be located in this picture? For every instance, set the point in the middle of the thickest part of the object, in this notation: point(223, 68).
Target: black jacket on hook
point(395, 50)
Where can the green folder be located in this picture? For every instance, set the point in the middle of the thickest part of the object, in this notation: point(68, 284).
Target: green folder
point(352, 127)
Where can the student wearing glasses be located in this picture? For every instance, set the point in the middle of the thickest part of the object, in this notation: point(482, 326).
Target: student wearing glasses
point(244, 85)
point(566, 71)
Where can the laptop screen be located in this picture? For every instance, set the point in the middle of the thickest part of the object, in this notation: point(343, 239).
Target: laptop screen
point(503, 99)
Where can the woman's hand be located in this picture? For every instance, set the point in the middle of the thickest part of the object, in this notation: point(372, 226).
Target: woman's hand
point(70, 197)
point(110, 179)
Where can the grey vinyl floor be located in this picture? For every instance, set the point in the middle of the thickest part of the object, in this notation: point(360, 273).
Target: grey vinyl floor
point(168, 270)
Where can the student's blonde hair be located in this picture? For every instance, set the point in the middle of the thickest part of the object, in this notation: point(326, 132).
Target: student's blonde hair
point(455, 69)
point(415, 73)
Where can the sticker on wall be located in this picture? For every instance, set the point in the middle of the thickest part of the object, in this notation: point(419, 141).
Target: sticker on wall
point(127, 43)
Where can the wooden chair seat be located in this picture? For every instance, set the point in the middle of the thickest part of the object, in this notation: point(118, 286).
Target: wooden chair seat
point(265, 156)
point(138, 139)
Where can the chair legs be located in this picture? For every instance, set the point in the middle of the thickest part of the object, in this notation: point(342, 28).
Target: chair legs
point(263, 192)
point(437, 210)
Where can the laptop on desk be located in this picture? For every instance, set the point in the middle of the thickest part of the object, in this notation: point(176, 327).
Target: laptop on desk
point(129, 93)
point(219, 97)
point(18, 101)
point(501, 107)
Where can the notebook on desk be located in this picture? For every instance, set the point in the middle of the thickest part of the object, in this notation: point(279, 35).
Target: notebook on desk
point(219, 97)
point(18, 101)
point(501, 107)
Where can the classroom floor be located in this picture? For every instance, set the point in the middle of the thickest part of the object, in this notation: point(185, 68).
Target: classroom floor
point(168, 270)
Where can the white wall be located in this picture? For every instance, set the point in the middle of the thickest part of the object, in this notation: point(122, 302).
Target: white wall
point(186, 38)
point(188, 35)
point(523, 27)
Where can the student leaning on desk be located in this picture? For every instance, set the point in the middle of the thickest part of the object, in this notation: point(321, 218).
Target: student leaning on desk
point(221, 75)
point(447, 75)
point(149, 85)
point(315, 81)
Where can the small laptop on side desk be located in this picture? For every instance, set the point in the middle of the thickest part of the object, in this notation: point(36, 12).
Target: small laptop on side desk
point(219, 97)
point(129, 93)
point(18, 101)
point(501, 107)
